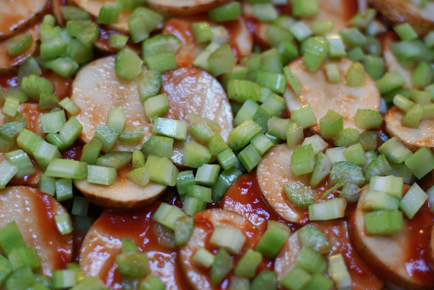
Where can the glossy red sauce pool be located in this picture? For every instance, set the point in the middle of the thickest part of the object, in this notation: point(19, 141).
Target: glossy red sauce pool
point(420, 262)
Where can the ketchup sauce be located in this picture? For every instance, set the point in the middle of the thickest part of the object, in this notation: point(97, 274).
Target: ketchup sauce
point(103, 243)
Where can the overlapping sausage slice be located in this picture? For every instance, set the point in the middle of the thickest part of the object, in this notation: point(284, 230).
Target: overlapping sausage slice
point(17, 14)
point(240, 38)
point(404, 258)
point(400, 11)
point(184, 7)
point(273, 172)
point(93, 8)
point(11, 63)
point(362, 277)
point(413, 138)
point(323, 96)
point(34, 214)
point(104, 241)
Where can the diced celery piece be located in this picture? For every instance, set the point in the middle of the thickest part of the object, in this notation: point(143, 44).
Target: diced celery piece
point(338, 272)
point(193, 205)
point(248, 264)
point(304, 116)
point(421, 162)
point(266, 279)
point(222, 59)
point(132, 134)
point(354, 154)
point(158, 146)
point(139, 176)
point(222, 265)
point(273, 239)
point(261, 143)
point(273, 105)
point(328, 210)
point(313, 238)
point(128, 64)
point(156, 106)
point(305, 9)
point(378, 200)
point(368, 119)
point(167, 215)
point(296, 279)
point(22, 161)
point(412, 201)
point(294, 134)
point(230, 238)
point(184, 226)
point(203, 257)
point(201, 132)
point(200, 192)
point(20, 279)
point(249, 157)
point(299, 194)
point(319, 282)
point(242, 134)
point(225, 12)
point(47, 185)
point(207, 174)
point(311, 261)
point(45, 153)
point(91, 151)
point(63, 168)
point(71, 130)
point(108, 137)
point(321, 170)
point(52, 122)
point(337, 47)
point(217, 144)
point(384, 222)
point(316, 51)
point(133, 264)
point(161, 170)
point(390, 81)
point(150, 84)
point(195, 155)
point(302, 160)
point(394, 150)
point(391, 185)
point(64, 189)
point(170, 128)
point(183, 181)
point(274, 81)
point(243, 90)
point(225, 179)
point(69, 106)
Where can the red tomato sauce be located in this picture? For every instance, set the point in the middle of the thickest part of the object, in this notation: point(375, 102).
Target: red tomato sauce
point(419, 258)
point(139, 227)
point(44, 204)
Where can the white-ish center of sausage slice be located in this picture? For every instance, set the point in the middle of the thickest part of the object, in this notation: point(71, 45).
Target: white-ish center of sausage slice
point(386, 253)
point(336, 231)
point(323, 96)
point(96, 89)
point(8, 63)
point(274, 171)
point(123, 194)
point(191, 90)
point(34, 213)
point(93, 7)
point(200, 237)
point(413, 138)
point(18, 13)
